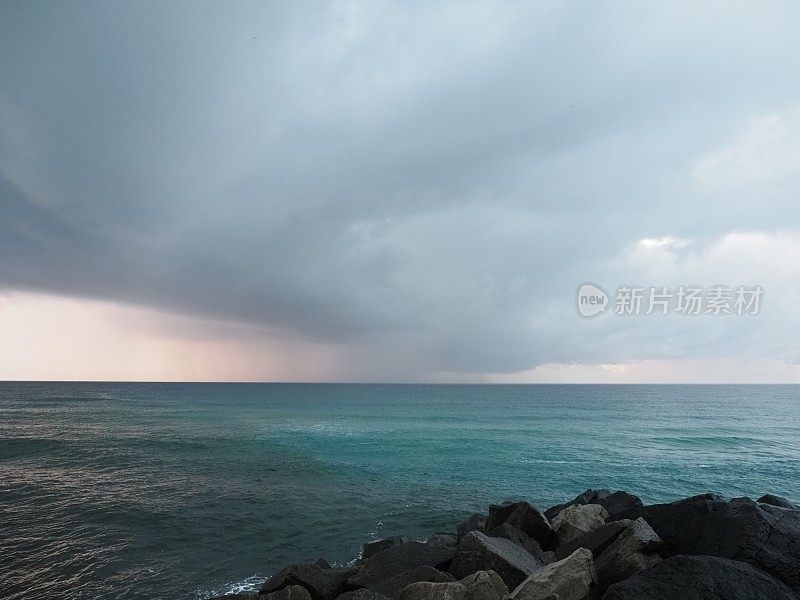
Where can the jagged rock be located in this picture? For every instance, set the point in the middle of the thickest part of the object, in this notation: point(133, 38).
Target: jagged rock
point(479, 552)
point(738, 529)
point(475, 522)
point(567, 579)
point(362, 594)
point(292, 592)
point(777, 501)
point(483, 585)
point(577, 520)
point(614, 502)
point(445, 539)
point(595, 541)
point(700, 578)
point(633, 551)
point(393, 561)
point(519, 537)
point(391, 587)
point(522, 516)
point(372, 548)
point(321, 583)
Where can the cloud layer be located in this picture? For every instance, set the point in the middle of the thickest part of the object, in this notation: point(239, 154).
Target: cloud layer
point(418, 188)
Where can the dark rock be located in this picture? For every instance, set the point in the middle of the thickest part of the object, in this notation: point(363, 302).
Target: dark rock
point(322, 563)
point(699, 578)
point(738, 529)
point(239, 596)
point(483, 585)
point(613, 502)
point(519, 537)
point(292, 592)
point(777, 501)
point(395, 560)
point(571, 578)
point(391, 587)
point(372, 548)
point(633, 551)
point(362, 594)
point(445, 539)
point(596, 541)
point(522, 516)
point(475, 522)
point(479, 552)
point(321, 583)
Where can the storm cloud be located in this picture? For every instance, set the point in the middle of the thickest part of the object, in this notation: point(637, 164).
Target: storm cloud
point(422, 185)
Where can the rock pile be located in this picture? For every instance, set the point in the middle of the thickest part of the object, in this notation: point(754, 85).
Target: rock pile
point(602, 545)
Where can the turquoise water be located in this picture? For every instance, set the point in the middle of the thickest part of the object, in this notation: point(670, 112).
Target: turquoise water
point(183, 490)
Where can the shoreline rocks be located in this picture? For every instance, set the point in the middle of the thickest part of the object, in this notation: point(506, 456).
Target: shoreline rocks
point(602, 545)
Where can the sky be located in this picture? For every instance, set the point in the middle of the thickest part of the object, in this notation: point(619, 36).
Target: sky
point(378, 191)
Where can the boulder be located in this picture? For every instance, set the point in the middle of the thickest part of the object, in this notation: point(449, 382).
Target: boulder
point(613, 502)
point(238, 596)
point(739, 529)
point(595, 541)
point(475, 522)
point(372, 548)
point(519, 537)
point(445, 539)
point(631, 552)
point(400, 558)
point(779, 501)
point(322, 563)
point(483, 585)
point(523, 516)
point(321, 583)
point(700, 578)
point(479, 552)
point(292, 592)
point(577, 520)
point(391, 587)
point(362, 594)
point(567, 579)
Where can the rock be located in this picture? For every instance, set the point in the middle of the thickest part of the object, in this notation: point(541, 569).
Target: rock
point(362, 594)
point(391, 587)
point(567, 579)
point(700, 578)
point(577, 520)
point(777, 501)
point(400, 558)
point(445, 539)
point(631, 552)
point(596, 541)
point(519, 537)
point(483, 585)
point(321, 583)
point(322, 563)
point(238, 596)
point(738, 529)
point(479, 552)
point(292, 592)
point(475, 522)
point(523, 516)
point(372, 548)
point(614, 502)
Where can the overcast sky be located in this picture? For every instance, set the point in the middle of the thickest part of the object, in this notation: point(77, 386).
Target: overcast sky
point(395, 191)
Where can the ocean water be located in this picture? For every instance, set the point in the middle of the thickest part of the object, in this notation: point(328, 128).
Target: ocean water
point(187, 490)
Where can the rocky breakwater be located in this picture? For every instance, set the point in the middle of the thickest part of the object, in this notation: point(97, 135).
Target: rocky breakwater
point(601, 545)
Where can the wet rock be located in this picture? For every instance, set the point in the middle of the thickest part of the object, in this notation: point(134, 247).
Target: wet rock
point(700, 578)
point(391, 587)
point(614, 502)
point(779, 501)
point(577, 520)
point(479, 552)
point(519, 537)
point(738, 529)
point(633, 551)
point(292, 592)
point(483, 585)
point(322, 563)
point(596, 541)
point(445, 539)
point(475, 522)
point(372, 548)
point(321, 583)
point(362, 594)
point(567, 579)
point(398, 559)
point(523, 516)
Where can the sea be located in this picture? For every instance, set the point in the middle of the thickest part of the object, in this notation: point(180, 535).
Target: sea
point(150, 490)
